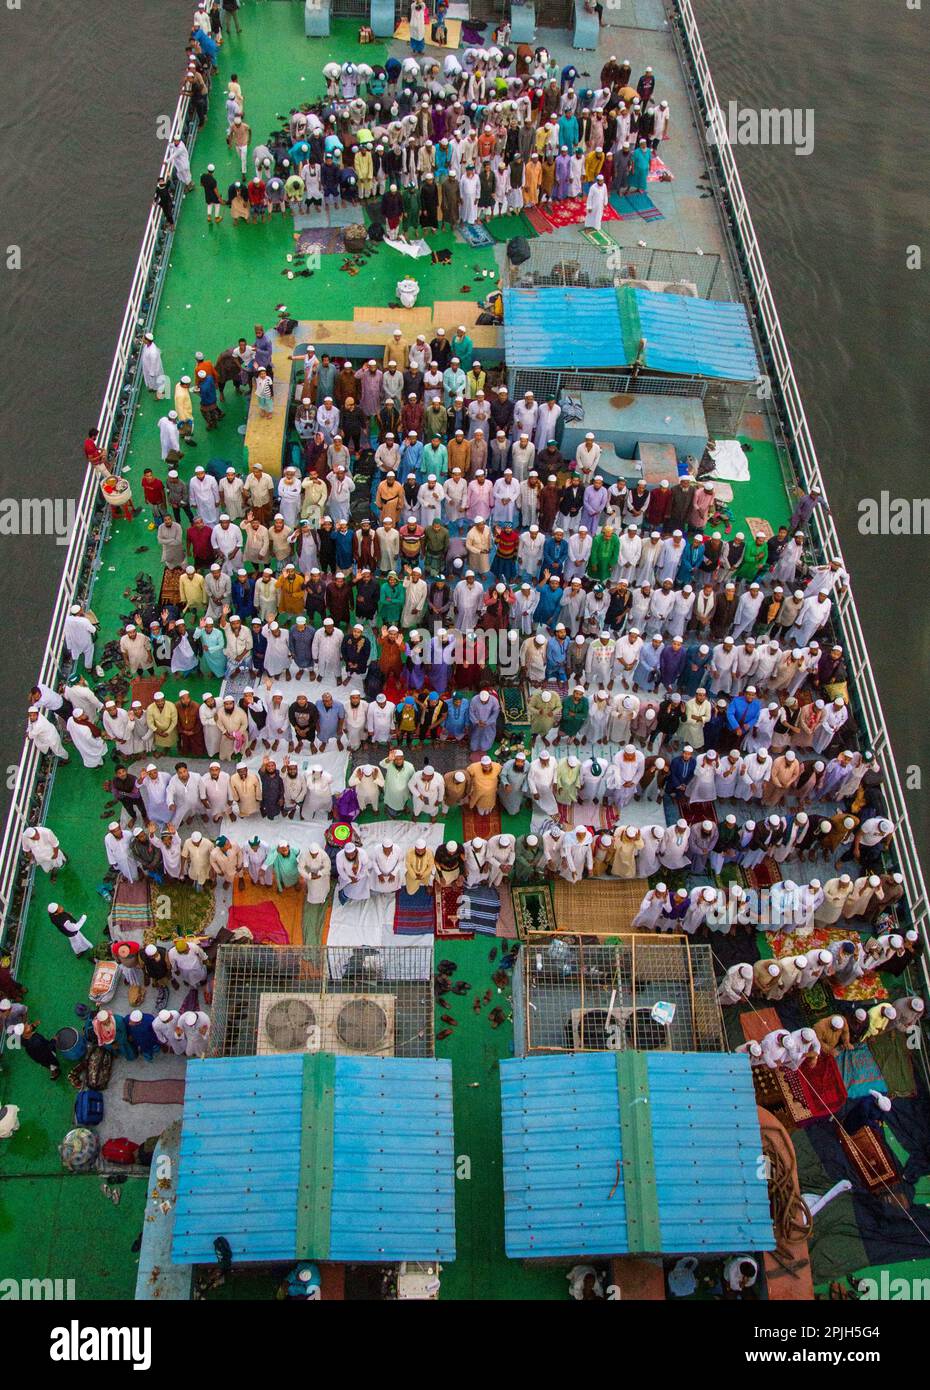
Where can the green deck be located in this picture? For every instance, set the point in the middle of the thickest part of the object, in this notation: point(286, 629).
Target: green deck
point(222, 281)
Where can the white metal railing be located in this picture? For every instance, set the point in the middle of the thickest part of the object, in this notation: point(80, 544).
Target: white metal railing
point(87, 507)
point(822, 524)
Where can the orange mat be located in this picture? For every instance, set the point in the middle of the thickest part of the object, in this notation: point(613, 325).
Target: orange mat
point(290, 905)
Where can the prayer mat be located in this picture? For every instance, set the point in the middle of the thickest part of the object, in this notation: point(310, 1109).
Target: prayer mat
point(695, 811)
point(570, 212)
point(763, 875)
point(289, 905)
point(264, 922)
point(414, 913)
point(600, 240)
point(895, 1059)
point(479, 909)
point(533, 910)
point(170, 587)
point(870, 1157)
point(474, 234)
point(131, 913)
point(659, 172)
point(513, 700)
point(144, 687)
point(634, 205)
point(538, 220)
point(191, 912)
point(167, 1092)
point(448, 898)
point(757, 524)
point(822, 1087)
point(483, 827)
point(816, 1002)
point(511, 224)
point(860, 1072)
point(869, 986)
point(327, 240)
point(758, 1023)
point(597, 906)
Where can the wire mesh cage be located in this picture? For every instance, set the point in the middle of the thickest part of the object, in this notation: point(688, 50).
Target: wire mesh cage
point(646, 993)
point(576, 264)
point(272, 1000)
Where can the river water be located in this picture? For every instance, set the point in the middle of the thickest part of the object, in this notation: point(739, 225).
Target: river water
point(86, 83)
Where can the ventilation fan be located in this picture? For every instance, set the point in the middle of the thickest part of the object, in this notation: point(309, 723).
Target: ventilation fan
point(598, 1030)
point(348, 1024)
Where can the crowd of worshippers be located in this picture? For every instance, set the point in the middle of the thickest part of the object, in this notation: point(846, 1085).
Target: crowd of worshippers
point(792, 1050)
point(437, 144)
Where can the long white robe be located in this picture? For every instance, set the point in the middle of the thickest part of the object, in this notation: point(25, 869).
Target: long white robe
point(42, 844)
point(151, 363)
point(119, 855)
point(316, 872)
point(91, 748)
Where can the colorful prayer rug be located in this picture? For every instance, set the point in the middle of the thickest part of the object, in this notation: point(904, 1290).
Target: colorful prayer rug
point(638, 205)
point(131, 912)
point(860, 1071)
point(414, 913)
point(695, 811)
point(448, 898)
point(570, 212)
point(474, 234)
point(533, 910)
point(483, 827)
point(480, 909)
point(822, 1087)
point(868, 986)
point(763, 875)
point(659, 172)
point(264, 922)
point(871, 1158)
point(513, 700)
point(327, 240)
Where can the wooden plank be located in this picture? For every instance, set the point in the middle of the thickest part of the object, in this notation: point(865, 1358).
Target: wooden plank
point(393, 318)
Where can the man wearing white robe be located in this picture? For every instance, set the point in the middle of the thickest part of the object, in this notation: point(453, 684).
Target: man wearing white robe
point(117, 726)
point(595, 203)
point(319, 798)
point(179, 162)
point(184, 795)
point(577, 854)
point(468, 598)
point(151, 364)
point(815, 611)
point(195, 1027)
point(91, 747)
point(834, 717)
point(353, 869)
point(168, 1032)
point(79, 634)
point(41, 844)
point(188, 963)
point(654, 902)
point(368, 781)
point(541, 782)
point(204, 495)
point(316, 871)
point(428, 792)
point(226, 539)
point(477, 868)
point(327, 652)
point(169, 437)
point(118, 848)
point(387, 869)
point(380, 722)
point(153, 788)
point(736, 985)
point(214, 793)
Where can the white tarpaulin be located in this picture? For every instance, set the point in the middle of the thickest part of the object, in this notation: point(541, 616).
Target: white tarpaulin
point(408, 248)
point(730, 461)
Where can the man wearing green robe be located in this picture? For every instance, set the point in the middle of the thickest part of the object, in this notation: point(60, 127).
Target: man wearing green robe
point(282, 861)
point(529, 865)
point(574, 713)
point(397, 774)
point(543, 709)
point(567, 780)
point(605, 552)
point(391, 601)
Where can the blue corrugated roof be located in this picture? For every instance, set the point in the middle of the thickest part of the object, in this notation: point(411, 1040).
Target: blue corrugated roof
point(691, 337)
point(239, 1159)
point(392, 1158)
point(565, 1170)
point(562, 328)
point(712, 1193)
point(561, 1123)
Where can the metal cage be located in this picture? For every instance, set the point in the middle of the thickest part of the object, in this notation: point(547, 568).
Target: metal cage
point(307, 985)
point(575, 997)
point(560, 263)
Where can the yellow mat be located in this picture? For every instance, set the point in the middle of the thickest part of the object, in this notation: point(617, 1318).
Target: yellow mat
point(264, 439)
point(453, 34)
point(597, 906)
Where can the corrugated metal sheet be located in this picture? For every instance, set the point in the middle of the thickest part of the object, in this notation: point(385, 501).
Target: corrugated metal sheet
point(562, 328)
point(239, 1158)
point(562, 1155)
point(712, 1192)
point(688, 337)
point(392, 1195)
point(393, 1160)
point(568, 1185)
